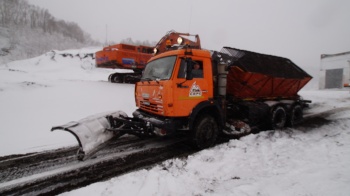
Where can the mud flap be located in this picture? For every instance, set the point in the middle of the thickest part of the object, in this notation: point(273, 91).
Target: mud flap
point(91, 132)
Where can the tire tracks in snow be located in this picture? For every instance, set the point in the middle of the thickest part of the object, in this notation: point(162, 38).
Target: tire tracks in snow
point(37, 174)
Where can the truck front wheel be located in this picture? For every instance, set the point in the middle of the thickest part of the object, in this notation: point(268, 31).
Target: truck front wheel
point(205, 132)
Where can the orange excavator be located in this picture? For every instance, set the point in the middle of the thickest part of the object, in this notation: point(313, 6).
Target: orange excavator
point(133, 57)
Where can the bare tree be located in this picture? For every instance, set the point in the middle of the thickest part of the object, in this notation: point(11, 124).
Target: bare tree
point(33, 31)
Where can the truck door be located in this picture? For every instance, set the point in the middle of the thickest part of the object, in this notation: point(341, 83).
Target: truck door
point(190, 92)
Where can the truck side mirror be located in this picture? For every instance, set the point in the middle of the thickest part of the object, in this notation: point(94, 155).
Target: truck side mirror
point(189, 64)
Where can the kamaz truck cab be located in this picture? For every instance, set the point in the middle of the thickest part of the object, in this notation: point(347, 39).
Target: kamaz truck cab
point(171, 92)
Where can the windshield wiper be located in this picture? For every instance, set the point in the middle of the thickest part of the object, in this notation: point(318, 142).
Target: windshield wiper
point(146, 79)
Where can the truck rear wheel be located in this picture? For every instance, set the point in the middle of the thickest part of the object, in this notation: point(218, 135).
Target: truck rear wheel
point(296, 115)
point(278, 117)
point(205, 132)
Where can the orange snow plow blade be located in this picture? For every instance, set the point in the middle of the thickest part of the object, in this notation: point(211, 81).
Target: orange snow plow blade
point(91, 132)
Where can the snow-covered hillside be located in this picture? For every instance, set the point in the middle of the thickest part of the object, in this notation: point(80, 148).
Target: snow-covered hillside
point(61, 86)
point(21, 42)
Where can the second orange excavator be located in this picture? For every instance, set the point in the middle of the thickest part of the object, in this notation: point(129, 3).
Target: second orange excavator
point(133, 57)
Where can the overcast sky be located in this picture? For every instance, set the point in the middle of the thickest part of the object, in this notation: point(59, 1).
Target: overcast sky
point(300, 30)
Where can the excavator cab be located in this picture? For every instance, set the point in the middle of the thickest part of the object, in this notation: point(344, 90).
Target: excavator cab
point(174, 40)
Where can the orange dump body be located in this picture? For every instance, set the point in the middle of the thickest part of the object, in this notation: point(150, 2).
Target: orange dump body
point(258, 76)
point(123, 56)
point(248, 85)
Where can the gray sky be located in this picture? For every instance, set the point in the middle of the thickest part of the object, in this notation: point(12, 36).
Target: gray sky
point(300, 30)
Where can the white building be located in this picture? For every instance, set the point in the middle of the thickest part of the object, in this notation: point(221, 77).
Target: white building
point(335, 70)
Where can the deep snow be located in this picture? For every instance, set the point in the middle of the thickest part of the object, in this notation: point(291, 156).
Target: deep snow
point(48, 90)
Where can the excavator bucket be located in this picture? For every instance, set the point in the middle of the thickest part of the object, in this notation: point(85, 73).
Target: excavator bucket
point(92, 132)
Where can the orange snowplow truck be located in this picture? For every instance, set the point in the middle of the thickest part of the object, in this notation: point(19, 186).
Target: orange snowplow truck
point(204, 94)
point(131, 57)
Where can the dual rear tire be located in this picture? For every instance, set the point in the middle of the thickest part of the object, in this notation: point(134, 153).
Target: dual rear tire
point(296, 115)
point(279, 117)
point(206, 128)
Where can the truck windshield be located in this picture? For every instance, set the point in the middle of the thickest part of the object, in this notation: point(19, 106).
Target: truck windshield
point(159, 69)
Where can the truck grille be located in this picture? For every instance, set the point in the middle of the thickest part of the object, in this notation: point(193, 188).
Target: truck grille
point(152, 107)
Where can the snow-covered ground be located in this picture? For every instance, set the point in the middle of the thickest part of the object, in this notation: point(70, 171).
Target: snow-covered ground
point(51, 89)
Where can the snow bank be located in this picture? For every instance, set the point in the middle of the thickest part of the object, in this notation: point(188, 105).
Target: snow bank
point(53, 89)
